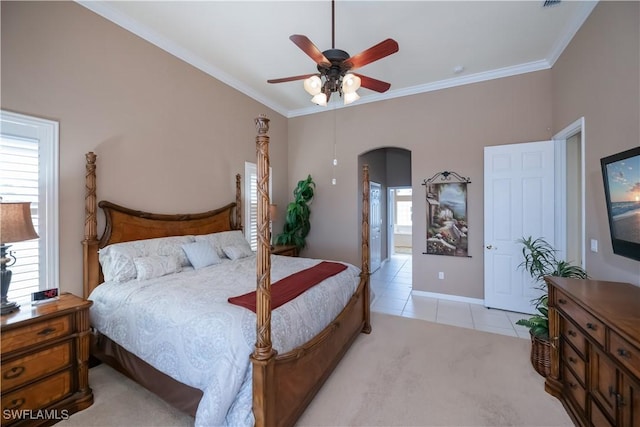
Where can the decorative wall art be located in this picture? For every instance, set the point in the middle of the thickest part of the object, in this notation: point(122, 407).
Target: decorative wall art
point(447, 226)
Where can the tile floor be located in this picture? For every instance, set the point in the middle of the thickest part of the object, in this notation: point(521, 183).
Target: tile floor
point(391, 286)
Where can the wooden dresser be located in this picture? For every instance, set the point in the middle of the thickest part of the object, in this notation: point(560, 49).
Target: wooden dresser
point(595, 352)
point(45, 353)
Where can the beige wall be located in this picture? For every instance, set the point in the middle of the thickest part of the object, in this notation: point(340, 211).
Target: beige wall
point(598, 78)
point(445, 130)
point(169, 138)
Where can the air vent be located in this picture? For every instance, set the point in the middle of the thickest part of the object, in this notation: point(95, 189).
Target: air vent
point(549, 3)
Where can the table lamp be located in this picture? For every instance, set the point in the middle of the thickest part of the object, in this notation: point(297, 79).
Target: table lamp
point(15, 226)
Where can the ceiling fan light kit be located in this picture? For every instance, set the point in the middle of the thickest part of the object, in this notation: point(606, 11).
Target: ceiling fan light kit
point(334, 66)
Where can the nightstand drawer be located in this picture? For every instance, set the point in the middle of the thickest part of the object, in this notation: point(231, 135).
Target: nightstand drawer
point(38, 395)
point(586, 321)
point(625, 353)
point(36, 333)
point(19, 371)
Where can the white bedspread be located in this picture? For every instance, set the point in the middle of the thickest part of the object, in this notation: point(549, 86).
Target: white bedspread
point(183, 325)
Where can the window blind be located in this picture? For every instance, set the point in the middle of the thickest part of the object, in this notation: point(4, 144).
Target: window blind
point(19, 182)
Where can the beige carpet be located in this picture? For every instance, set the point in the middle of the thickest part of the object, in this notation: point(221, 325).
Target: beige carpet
point(406, 373)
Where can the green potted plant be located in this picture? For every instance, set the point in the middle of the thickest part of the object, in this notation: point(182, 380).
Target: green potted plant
point(297, 224)
point(539, 261)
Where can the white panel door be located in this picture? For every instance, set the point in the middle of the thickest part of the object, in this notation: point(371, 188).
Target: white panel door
point(518, 202)
point(375, 227)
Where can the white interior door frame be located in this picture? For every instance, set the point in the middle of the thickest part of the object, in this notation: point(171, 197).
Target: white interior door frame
point(560, 144)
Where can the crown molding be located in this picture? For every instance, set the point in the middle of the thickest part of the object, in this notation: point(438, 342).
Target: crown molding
point(103, 9)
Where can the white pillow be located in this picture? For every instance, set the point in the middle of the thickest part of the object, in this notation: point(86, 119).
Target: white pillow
point(117, 259)
point(238, 251)
point(201, 254)
point(156, 266)
point(224, 239)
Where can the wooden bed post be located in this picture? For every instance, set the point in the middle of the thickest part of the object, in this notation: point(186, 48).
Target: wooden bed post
point(263, 357)
point(238, 225)
point(365, 248)
point(90, 243)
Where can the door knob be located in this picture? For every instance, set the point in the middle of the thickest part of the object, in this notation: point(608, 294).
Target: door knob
point(489, 247)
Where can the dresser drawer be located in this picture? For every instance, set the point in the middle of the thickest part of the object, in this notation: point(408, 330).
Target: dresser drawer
point(572, 334)
point(19, 371)
point(574, 361)
point(35, 333)
point(36, 396)
point(625, 353)
point(582, 318)
point(574, 388)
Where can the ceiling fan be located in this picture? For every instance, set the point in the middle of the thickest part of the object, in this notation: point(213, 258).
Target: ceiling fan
point(335, 66)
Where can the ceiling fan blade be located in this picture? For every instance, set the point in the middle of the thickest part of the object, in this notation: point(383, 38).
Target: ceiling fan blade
point(290, 79)
point(373, 84)
point(379, 51)
point(310, 49)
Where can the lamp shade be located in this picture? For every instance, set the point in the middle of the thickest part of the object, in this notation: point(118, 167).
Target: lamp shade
point(15, 222)
point(313, 85)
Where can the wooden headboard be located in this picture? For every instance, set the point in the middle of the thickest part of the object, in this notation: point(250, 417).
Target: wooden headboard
point(124, 225)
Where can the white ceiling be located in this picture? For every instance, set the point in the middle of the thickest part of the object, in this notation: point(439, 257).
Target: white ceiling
point(245, 43)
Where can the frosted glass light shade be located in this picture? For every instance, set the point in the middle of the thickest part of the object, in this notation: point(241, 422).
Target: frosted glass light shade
point(350, 83)
point(320, 99)
point(313, 85)
point(350, 97)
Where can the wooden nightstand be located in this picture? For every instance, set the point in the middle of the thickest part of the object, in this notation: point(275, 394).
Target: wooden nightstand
point(286, 250)
point(45, 354)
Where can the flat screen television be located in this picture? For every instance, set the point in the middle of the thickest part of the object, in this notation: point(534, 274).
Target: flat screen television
point(621, 174)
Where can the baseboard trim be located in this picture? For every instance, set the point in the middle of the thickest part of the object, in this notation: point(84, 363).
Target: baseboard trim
point(448, 297)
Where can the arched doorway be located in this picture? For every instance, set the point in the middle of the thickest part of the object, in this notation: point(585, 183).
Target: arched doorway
point(390, 167)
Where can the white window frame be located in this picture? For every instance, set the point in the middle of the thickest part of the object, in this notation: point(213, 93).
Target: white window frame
point(250, 224)
point(46, 132)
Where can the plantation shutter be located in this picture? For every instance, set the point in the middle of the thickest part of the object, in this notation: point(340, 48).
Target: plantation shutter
point(251, 203)
point(251, 190)
point(19, 182)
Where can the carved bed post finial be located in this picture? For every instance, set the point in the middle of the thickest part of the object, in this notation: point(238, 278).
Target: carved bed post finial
point(90, 221)
point(262, 124)
point(91, 269)
point(263, 350)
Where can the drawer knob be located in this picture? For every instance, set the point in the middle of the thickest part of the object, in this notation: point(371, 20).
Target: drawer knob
point(591, 326)
point(572, 359)
point(562, 301)
point(572, 333)
point(14, 372)
point(16, 403)
point(46, 331)
point(573, 385)
point(624, 353)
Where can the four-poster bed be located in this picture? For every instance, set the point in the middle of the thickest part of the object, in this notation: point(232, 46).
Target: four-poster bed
point(282, 384)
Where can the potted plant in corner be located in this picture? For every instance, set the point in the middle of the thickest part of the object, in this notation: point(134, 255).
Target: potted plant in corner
point(297, 224)
point(539, 261)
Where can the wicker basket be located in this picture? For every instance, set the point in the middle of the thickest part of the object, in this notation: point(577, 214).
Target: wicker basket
point(541, 355)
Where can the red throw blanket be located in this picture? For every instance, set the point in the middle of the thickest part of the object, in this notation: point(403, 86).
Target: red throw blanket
point(284, 290)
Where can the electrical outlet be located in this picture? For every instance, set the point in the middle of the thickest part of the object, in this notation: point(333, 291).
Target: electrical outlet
point(594, 245)
point(441, 275)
